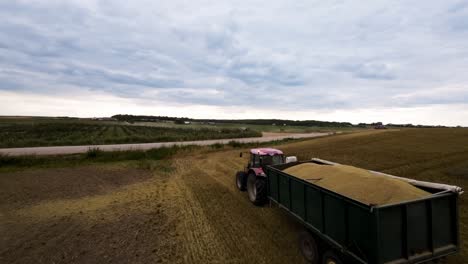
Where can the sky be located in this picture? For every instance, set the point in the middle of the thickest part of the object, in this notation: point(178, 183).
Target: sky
point(357, 61)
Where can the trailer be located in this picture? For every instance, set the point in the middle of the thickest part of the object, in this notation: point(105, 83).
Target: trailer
point(343, 230)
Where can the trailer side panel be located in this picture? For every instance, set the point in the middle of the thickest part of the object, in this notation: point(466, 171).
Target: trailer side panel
point(409, 232)
point(343, 223)
point(420, 230)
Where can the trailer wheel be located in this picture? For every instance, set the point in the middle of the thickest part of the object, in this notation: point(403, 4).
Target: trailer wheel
point(256, 188)
point(330, 257)
point(308, 247)
point(241, 181)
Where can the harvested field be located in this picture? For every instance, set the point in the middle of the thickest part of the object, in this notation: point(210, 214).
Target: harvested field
point(184, 211)
point(65, 183)
point(358, 184)
point(187, 209)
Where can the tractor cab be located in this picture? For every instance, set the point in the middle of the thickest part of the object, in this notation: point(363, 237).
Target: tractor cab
point(262, 157)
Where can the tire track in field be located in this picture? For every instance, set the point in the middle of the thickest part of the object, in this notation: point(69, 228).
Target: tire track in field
point(221, 226)
point(200, 244)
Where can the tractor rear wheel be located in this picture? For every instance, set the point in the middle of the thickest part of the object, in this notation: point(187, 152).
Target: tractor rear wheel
point(256, 188)
point(330, 257)
point(241, 181)
point(308, 247)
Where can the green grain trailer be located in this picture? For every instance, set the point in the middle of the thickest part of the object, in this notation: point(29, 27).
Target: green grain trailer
point(352, 232)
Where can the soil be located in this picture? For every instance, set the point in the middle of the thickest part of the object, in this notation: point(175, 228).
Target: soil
point(191, 213)
point(65, 183)
point(358, 184)
point(83, 215)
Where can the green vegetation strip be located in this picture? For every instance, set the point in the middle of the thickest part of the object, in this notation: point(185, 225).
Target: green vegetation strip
point(8, 163)
point(12, 163)
point(17, 134)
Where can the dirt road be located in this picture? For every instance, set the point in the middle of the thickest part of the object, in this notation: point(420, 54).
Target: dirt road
point(144, 146)
point(186, 211)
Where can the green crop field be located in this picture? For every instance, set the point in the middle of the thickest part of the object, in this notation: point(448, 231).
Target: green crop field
point(31, 132)
point(48, 131)
point(262, 128)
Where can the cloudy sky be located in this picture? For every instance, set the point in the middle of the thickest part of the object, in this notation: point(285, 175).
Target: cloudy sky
point(358, 61)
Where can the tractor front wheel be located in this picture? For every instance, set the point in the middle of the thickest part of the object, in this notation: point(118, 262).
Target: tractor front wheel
point(256, 188)
point(241, 181)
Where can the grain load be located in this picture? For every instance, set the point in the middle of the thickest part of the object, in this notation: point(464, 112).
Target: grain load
point(358, 184)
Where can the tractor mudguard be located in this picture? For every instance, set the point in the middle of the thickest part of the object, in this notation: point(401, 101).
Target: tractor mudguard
point(258, 172)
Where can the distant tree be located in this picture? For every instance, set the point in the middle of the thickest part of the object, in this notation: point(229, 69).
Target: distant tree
point(307, 123)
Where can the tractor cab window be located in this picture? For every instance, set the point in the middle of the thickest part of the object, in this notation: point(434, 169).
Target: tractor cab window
point(272, 160)
point(254, 161)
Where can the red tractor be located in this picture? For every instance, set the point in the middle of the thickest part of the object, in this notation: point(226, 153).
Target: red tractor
point(253, 178)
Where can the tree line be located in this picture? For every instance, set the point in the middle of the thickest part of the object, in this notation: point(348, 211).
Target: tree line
point(275, 122)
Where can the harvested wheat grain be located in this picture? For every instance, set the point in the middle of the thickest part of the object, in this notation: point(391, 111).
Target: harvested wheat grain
point(358, 184)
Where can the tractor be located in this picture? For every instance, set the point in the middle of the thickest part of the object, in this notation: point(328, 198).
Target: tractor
point(253, 178)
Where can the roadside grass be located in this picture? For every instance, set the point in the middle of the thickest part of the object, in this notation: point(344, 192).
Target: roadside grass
point(92, 156)
point(96, 155)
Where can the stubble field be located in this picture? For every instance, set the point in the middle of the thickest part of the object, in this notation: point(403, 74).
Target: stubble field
point(186, 209)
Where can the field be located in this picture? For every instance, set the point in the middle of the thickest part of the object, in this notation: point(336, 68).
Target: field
point(186, 209)
point(263, 128)
point(32, 132)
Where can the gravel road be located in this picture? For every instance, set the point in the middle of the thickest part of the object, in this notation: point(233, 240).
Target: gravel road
point(144, 146)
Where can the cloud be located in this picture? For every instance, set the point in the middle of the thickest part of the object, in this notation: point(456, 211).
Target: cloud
point(370, 70)
point(277, 56)
point(451, 94)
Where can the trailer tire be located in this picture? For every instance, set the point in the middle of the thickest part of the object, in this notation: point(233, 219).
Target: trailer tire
point(241, 181)
point(330, 257)
point(256, 188)
point(308, 247)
